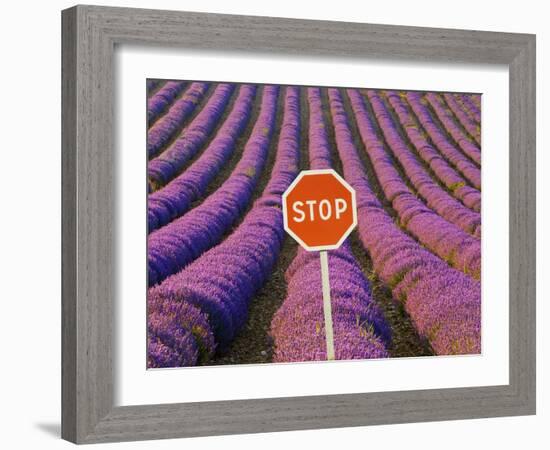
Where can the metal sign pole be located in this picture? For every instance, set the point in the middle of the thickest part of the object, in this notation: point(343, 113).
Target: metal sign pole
point(327, 307)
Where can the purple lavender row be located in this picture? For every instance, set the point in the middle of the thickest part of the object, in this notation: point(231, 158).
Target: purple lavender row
point(221, 283)
point(469, 107)
point(157, 104)
point(151, 85)
point(437, 199)
point(176, 197)
point(445, 173)
point(469, 125)
point(164, 129)
point(169, 163)
point(175, 245)
point(178, 334)
point(446, 240)
point(444, 304)
point(447, 119)
point(470, 171)
point(475, 99)
point(360, 330)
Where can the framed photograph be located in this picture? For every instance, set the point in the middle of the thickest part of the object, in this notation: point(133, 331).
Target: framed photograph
point(276, 224)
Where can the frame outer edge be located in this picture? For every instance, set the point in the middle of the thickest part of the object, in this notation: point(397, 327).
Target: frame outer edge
point(523, 225)
point(68, 223)
point(89, 414)
point(88, 209)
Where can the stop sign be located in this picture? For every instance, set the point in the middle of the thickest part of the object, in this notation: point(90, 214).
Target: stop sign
point(319, 209)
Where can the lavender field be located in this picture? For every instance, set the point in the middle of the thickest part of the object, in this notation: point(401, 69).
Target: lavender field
point(227, 285)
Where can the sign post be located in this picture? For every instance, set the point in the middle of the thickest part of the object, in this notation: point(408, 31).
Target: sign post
point(327, 307)
point(319, 211)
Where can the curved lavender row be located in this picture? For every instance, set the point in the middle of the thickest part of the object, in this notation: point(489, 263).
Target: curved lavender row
point(446, 240)
point(475, 99)
point(167, 165)
point(448, 121)
point(469, 125)
point(151, 85)
point(175, 245)
point(445, 173)
point(470, 171)
point(157, 104)
point(222, 282)
point(469, 107)
point(176, 197)
point(178, 334)
point(444, 304)
point(437, 199)
point(163, 129)
point(360, 330)
point(287, 161)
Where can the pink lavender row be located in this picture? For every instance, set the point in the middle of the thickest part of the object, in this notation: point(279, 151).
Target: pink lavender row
point(164, 129)
point(446, 240)
point(360, 330)
point(446, 174)
point(157, 104)
point(175, 245)
point(470, 106)
point(176, 197)
point(470, 171)
point(169, 163)
point(437, 199)
point(469, 125)
point(444, 304)
point(448, 120)
point(216, 289)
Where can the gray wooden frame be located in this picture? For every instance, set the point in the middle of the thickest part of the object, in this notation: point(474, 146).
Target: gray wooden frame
point(89, 37)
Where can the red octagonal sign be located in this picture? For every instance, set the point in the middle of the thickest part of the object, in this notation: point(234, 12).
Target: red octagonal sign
point(319, 209)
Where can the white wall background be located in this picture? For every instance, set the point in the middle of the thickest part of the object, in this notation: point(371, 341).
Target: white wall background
point(31, 209)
